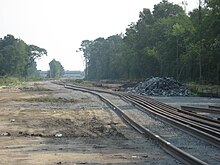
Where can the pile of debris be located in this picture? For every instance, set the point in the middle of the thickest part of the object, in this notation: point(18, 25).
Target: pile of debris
point(157, 86)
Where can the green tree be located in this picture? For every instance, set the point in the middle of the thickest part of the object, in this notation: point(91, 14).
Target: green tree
point(85, 48)
point(164, 42)
point(56, 69)
point(17, 58)
point(102, 57)
point(213, 24)
point(14, 55)
point(34, 52)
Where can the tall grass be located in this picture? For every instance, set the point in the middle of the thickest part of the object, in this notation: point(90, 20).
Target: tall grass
point(198, 88)
point(9, 81)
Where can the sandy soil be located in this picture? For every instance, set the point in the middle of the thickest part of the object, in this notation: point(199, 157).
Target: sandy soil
point(42, 123)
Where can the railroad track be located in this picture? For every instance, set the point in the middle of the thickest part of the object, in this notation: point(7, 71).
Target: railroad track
point(207, 130)
point(214, 107)
point(211, 109)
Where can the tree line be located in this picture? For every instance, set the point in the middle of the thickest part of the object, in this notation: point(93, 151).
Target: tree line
point(18, 58)
point(164, 42)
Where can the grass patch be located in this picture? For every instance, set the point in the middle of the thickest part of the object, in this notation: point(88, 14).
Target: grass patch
point(198, 89)
point(51, 99)
point(34, 79)
point(9, 81)
point(79, 82)
point(34, 89)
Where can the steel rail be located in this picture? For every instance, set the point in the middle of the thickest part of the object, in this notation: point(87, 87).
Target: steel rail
point(179, 154)
point(207, 121)
point(183, 126)
point(199, 109)
point(214, 107)
point(181, 117)
point(203, 128)
point(160, 104)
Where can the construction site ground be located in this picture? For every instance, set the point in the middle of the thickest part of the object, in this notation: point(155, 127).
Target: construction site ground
point(44, 123)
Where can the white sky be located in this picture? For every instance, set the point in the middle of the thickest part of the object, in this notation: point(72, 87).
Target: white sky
point(59, 26)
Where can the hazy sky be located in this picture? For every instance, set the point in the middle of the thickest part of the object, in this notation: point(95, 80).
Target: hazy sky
point(59, 26)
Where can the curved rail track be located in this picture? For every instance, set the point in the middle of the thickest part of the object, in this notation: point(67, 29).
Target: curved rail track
point(202, 127)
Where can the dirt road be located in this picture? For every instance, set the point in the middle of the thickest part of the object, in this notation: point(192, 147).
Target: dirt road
point(43, 123)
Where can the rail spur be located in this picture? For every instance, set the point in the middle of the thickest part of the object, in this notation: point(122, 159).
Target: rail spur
point(202, 127)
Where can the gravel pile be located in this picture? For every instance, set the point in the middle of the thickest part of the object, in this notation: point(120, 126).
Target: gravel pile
point(160, 86)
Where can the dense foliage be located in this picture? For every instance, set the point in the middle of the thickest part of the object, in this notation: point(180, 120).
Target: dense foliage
point(18, 58)
point(165, 42)
point(56, 69)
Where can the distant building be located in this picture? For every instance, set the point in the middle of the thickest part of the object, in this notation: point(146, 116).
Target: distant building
point(73, 74)
point(67, 74)
point(43, 73)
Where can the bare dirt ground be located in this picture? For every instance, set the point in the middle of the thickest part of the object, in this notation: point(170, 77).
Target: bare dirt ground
point(42, 123)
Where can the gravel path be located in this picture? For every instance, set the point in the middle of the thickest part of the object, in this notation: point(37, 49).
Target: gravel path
point(186, 142)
